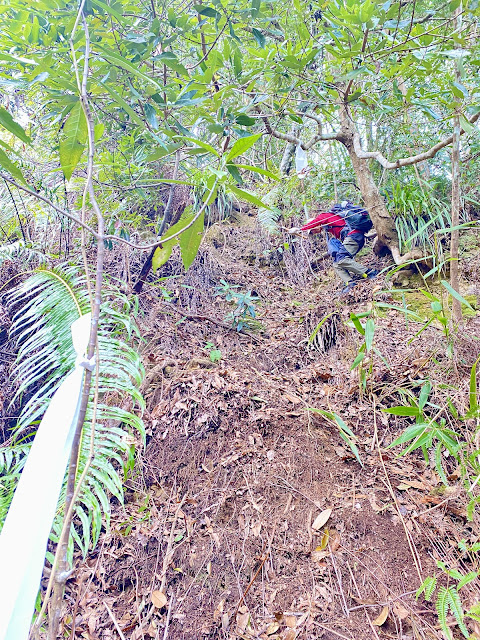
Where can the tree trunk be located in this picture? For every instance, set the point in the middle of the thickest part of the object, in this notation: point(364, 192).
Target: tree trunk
point(384, 224)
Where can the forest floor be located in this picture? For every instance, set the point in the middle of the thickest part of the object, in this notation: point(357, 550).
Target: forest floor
point(248, 516)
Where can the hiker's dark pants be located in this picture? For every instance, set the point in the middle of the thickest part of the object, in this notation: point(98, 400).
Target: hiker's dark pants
point(345, 268)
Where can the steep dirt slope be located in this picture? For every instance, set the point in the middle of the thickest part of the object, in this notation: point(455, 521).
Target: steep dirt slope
point(248, 515)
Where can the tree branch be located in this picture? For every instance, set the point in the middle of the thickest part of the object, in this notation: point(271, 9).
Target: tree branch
point(404, 162)
point(318, 137)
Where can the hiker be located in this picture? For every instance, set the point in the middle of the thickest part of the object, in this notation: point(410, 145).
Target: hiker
point(348, 225)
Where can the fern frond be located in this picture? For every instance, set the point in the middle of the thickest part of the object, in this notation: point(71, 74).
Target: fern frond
point(456, 608)
point(428, 585)
point(269, 218)
point(441, 606)
point(50, 301)
point(19, 251)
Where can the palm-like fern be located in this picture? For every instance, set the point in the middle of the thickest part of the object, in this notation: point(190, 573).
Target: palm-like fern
point(49, 302)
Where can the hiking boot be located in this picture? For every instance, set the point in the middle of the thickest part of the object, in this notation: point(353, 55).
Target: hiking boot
point(349, 287)
point(371, 273)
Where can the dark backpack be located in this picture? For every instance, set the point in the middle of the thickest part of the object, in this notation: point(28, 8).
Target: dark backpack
point(337, 250)
point(355, 217)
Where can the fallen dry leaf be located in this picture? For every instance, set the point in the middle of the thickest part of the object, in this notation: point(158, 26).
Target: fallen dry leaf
point(272, 628)
point(321, 519)
point(290, 621)
point(159, 599)
point(382, 617)
point(290, 634)
point(400, 611)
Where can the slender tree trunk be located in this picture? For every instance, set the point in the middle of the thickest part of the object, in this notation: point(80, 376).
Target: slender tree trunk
point(147, 265)
point(455, 237)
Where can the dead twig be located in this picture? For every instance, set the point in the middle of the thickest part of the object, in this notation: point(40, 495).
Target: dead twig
point(114, 620)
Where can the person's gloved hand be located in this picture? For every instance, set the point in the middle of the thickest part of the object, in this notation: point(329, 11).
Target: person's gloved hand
point(295, 230)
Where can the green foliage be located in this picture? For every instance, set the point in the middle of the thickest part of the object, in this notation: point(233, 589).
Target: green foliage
point(214, 354)
point(48, 302)
point(344, 430)
point(244, 314)
point(448, 599)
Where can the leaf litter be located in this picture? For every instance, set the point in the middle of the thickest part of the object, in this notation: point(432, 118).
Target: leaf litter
point(224, 531)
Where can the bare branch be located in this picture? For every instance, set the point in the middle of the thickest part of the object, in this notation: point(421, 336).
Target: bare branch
point(318, 137)
point(51, 204)
point(405, 162)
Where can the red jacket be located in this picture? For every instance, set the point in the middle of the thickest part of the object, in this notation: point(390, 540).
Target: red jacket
point(333, 223)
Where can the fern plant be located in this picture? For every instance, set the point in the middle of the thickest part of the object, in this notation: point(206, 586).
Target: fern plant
point(46, 305)
point(448, 598)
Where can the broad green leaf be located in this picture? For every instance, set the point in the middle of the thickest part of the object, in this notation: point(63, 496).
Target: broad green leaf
point(207, 11)
point(235, 173)
point(246, 195)
point(358, 325)
point(456, 295)
point(9, 123)
point(72, 143)
point(424, 393)
point(242, 145)
point(190, 241)
point(11, 167)
point(244, 120)
point(162, 254)
point(259, 37)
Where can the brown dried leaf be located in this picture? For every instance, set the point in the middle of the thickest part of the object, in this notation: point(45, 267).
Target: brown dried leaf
point(290, 621)
point(321, 519)
point(159, 599)
point(290, 634)
point(272, 628)
point(382, 617)
point(400, 611)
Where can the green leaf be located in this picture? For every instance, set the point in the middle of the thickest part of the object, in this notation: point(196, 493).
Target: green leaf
point(72, 143)
point(360, 357)
point(242, 145)
point(246, 195)
point(118, 61)
point(9, 123)
point(259, 37)
point(235, 173)
point(162, 254)
point(369, 333)
point(403, 411)
point(207, 11)
point(122, 103)
point(264, 172)
point(428, 585)
point(190, 241)
point(456, 295)
point(11, 167)
point(244, 120)
point(424, 393)
point(202, 144)
point(469, 577)
point(357, 324)
point(409, 434)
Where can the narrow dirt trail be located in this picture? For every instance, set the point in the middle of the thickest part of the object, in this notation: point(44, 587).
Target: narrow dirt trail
point(248, 516)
